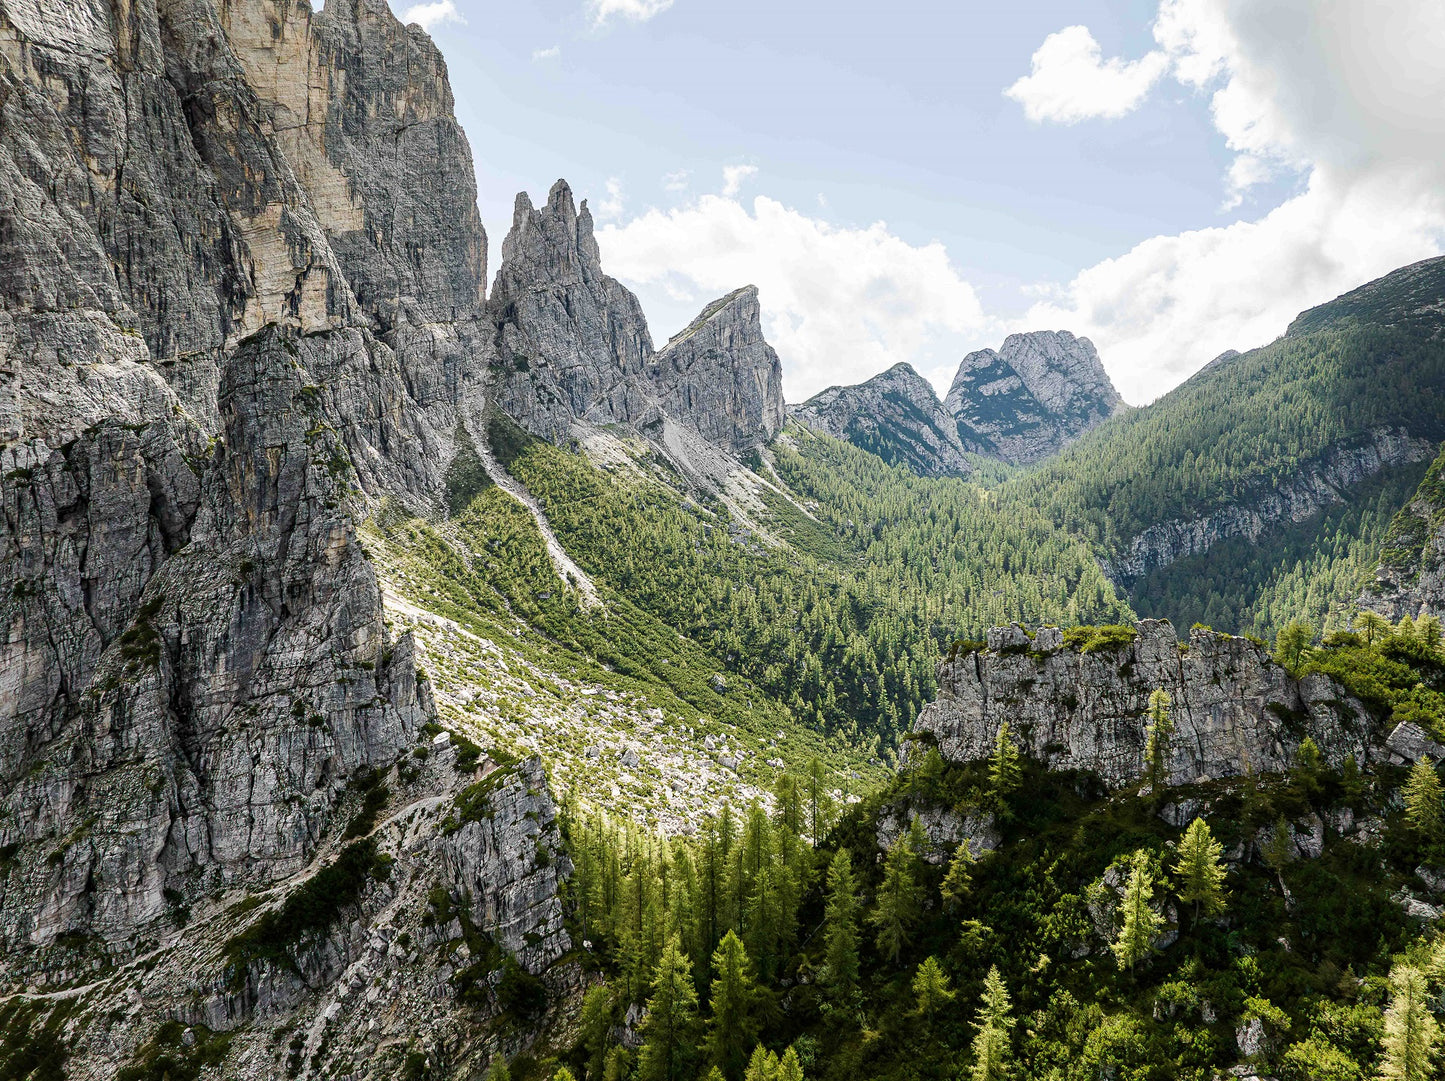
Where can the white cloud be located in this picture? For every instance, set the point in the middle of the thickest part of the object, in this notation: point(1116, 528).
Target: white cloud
point(610, 207)
point(549, 53)
point(677, 181)
point(1348, 94)
point(636, 10)
point(433, 14)
point(1070, 80)
point(839, 304)
point(734, 176)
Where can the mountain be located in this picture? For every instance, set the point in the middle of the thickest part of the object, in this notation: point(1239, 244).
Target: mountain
point(1407, 580)
point(1037, 394)
point(1261, 488)
point(895, 415)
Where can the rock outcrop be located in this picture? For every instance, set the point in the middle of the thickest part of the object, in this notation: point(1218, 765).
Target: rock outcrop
point(1037, 394)
point(1410, 577)
point(1233, 708)
point(572, 344)
point(895, 415)
point(1317, 484)
point(722, 375)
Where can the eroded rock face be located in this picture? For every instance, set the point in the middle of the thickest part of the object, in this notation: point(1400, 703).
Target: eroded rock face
point(1037, 394)
point(722, 374)
point(573, 345)
point(1233, 708)
point(895, 415)
point(1317, 484)
point(1410, 577)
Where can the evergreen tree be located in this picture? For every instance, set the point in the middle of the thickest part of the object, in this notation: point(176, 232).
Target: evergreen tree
point(1156, 745)
point(1292, 646)
point(790, 1068)
point(1410, 1029)
point(819, 804)
point(669, 1031)
point(762, 1066)
point(1423, 799)
point(596, 1026)
point(1373, 627)
point(1279, 850)
point(991, 1039)
point(841, 928)
point(931, 991)
point(1308, 767)
point(899, 902)
point(619, 1065)
point(733, 1027)
point(1141, 923)
point(1004, 770)
point(563, 1074)
point(497, 1070)
point(959, 878)
point(1200, 870)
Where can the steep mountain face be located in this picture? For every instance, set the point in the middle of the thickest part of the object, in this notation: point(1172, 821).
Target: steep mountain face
point(1084, 706)
point(1037, 394)
point(241, 286)
point(572, 343)
point(1409, 579)
point(895, 415)
point(722, 374)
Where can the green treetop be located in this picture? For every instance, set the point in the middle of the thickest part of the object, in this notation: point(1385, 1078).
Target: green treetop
point(669, 1031)
point(1410, 1029)
point(900, 898)
point(733, 1028)
point(840, 920)
point(1423, 799)
point(1004, 771)
point(991, 1039)
point(1141, 923)
point(1200, 870)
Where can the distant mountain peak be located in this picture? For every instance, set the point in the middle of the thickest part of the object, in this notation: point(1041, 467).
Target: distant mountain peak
point(1036, 394)
point(895, 415)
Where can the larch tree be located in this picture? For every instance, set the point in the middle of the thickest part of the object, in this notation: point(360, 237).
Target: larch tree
point(1200, 870)
point(1408, 1045)
point(931, 991)
point(1156, 743)
point(991, 1035)
point(959, 879)
point(1004, 770)
point(1372, 627)
point(733, 1028)
point(669, 1031)
point(899, 901)
point(1292, 646)
point(840, 920)
point(1141, 923)
point(1423, 799)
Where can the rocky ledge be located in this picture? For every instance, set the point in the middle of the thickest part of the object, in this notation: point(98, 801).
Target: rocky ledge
point(1082, 703)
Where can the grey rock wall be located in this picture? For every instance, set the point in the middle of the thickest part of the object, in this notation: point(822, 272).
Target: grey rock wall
point(1233, 708)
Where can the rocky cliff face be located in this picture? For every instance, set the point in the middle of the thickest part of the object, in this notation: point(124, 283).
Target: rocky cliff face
point(1233, 708)
point(1033, 397)
point(1410, 577)
point(241, 285)
point(1320, 483)
point(572, 343)
point(721, 373)
point(895, 415)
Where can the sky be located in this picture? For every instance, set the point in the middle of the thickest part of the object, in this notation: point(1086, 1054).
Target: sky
point(917, 179)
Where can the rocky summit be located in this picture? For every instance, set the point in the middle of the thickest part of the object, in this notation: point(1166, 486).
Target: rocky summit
point(895, 415)
point(1031, 398)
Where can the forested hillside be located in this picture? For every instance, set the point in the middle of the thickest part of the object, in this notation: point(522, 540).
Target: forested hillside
point(1260, 489)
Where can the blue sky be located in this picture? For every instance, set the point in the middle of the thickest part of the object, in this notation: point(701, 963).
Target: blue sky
point(1167, 181)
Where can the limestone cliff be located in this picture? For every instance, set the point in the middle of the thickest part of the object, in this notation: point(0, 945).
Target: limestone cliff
point(1233, 708)
point(721, 373)
point(1037, 394)
point(895, 415)
point(1410, 577)
point(573, 345)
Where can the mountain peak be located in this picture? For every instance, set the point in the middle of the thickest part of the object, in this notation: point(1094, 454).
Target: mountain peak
point(1039, 392)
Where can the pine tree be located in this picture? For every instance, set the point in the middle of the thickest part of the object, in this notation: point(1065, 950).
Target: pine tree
point(670, 1028)
point(990, 1041)
point(841, 928)
point(1410, 1029)
point(1004, 771)
point(1141, 922)
point(819, 804)
point(733, 1027)
point(931, 991)
point(790, 1068)
point(899, 903)
point(1423, 799)
point(959, 878)
point(1373, 627)
point(762, 1066)
point(1156, 745)
point(1200, 870)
